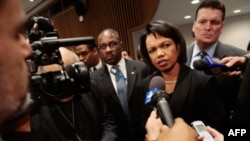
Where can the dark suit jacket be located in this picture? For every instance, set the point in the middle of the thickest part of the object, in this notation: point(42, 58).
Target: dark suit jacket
point(194, 98)
point(22, 136)
point(229, 86)
point(222, 50)
point(92, 119)
point(136, 71)
point(241, 117)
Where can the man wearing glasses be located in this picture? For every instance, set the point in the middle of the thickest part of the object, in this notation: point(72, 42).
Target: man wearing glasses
point(117, 81)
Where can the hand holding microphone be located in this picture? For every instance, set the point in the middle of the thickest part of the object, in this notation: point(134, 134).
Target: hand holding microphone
point(154, 126)
point(231, 61)
point(166, 128)
point(214, 66)
point(159, 99)
point(180, 131)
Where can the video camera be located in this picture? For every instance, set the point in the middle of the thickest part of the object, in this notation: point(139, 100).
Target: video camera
point(46, 50)
point(72, 79)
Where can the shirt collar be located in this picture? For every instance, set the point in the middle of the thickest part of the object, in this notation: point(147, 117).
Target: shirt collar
point(210, 51)
point(121, 65)
point(99, 65)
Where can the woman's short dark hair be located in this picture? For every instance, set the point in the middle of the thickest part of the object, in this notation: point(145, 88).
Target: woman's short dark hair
point(167, 30)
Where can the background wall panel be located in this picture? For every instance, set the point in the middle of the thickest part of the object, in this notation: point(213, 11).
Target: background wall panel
point(125, 16)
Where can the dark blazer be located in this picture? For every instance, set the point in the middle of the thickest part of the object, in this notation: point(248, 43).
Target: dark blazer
point(241, 117)
point(194, 98)
point(91, 119)
point(229, 86)
point(136, 71)
point(22, 136)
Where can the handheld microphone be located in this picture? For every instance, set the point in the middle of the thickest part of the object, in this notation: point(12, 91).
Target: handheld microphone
point(159, 99)
point(157, 83)
point(210, 66)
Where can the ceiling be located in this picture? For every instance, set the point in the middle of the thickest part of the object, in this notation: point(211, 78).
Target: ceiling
point(175, 10)
point(31, 8)
point(170, 10)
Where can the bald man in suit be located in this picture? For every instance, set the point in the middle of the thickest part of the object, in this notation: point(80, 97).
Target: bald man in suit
point(128, 120)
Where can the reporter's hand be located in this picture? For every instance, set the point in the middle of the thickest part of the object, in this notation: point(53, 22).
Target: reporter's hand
point(154, 127)
point(231, 61)
point(180, 131)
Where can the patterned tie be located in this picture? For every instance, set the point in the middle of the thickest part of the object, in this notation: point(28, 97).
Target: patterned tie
point(121, 88)
point(203, 54)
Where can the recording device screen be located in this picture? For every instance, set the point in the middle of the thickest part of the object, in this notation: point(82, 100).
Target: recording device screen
point(200, 127)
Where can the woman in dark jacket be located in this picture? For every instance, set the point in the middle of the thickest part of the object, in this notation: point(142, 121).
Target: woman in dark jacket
point(193, 95)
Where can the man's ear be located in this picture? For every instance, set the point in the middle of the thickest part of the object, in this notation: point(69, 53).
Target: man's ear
point(95, 50)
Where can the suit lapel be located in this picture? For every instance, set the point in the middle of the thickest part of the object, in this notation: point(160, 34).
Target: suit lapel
point(189, 54)
point(107, 83)
point(219, 51)
point(131, 77)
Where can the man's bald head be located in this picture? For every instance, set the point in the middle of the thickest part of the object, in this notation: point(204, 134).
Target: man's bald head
point(68, 57)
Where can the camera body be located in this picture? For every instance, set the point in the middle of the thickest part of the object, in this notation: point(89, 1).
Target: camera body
point(72, 79)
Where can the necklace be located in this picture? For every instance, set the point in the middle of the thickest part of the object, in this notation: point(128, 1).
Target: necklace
point(170, 82)
point(72, 123)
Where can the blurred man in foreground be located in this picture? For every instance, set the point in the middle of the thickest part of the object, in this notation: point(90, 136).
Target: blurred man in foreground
point(14, 120)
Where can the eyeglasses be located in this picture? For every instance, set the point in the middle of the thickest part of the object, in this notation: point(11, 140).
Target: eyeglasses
point(112, 44)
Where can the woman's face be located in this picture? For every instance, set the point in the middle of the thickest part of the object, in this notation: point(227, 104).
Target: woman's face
point(162, 51)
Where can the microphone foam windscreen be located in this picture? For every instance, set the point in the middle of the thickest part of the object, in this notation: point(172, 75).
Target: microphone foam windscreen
point(157, 82)
point(200, 65)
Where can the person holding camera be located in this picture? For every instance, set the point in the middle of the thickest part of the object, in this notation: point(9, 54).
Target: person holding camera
point(70, 113)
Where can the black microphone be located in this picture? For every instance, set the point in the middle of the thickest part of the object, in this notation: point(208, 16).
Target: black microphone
point(211, 66)
point(159, 99)
point(52, 44)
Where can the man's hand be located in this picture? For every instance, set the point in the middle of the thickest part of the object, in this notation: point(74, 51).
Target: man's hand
point(181, 131)
point(154, 127)
point(232, 61)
